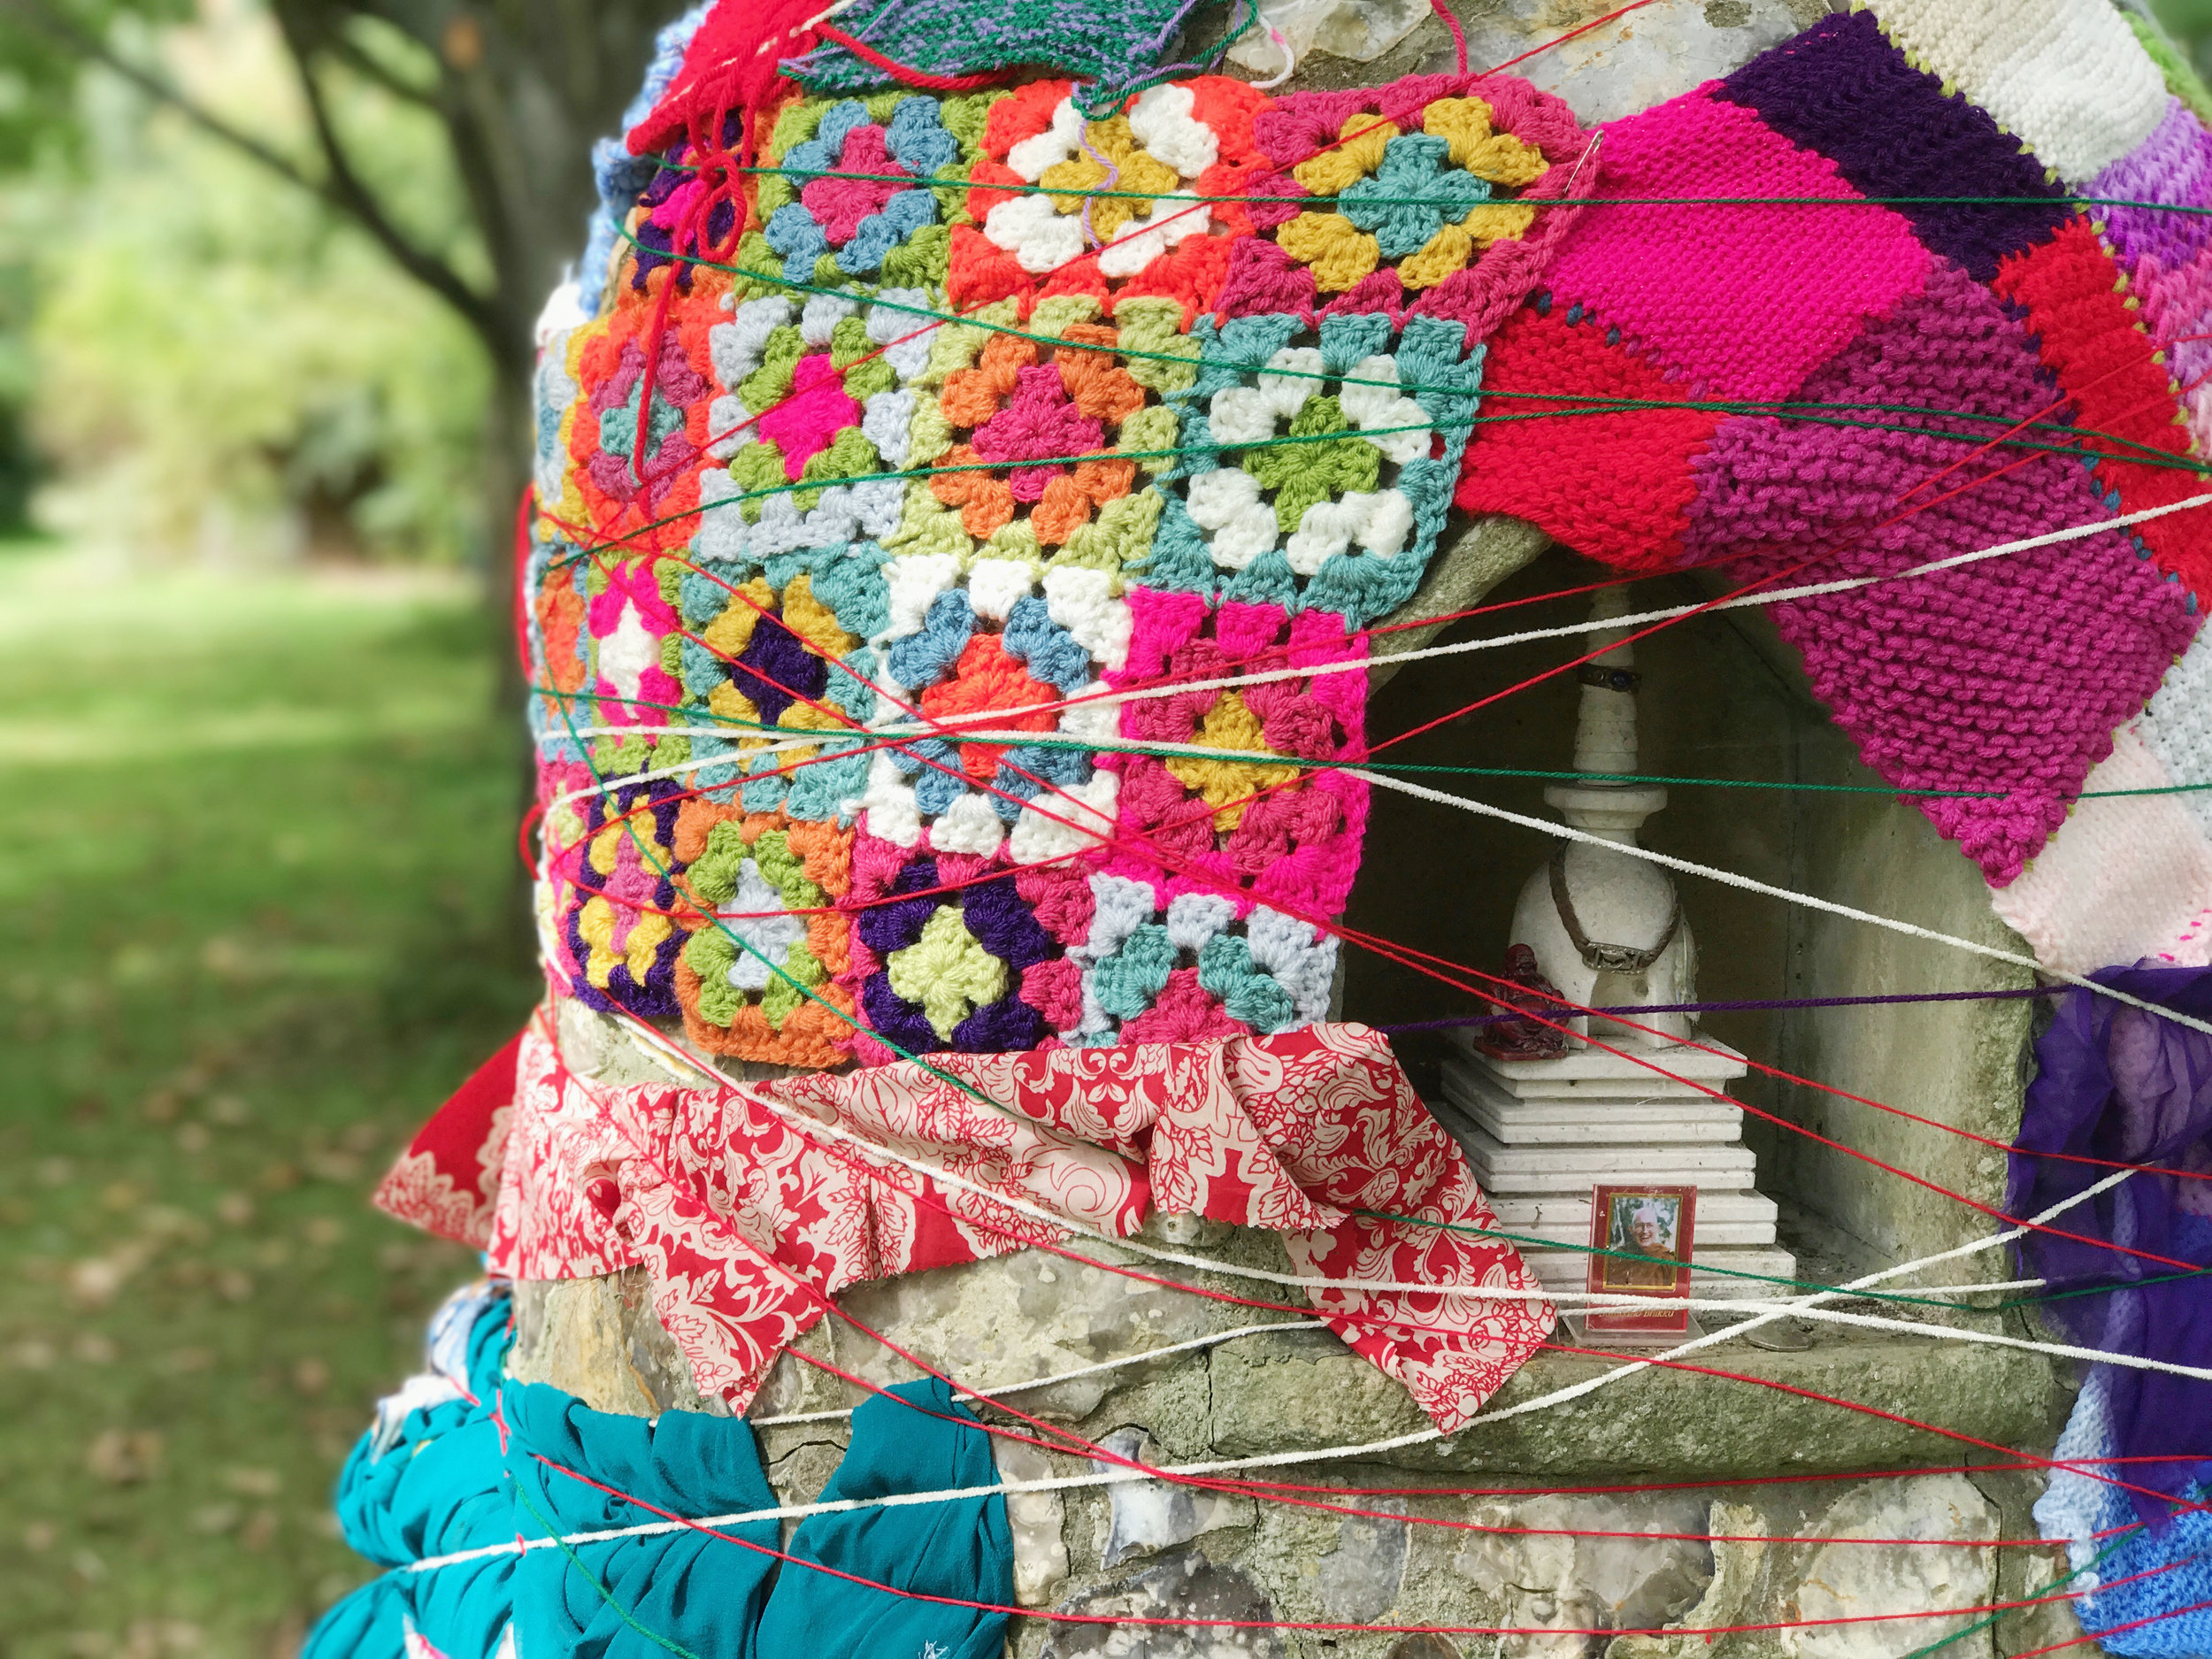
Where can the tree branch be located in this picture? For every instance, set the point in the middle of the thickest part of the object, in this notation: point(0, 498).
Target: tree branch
point(366, 63)
point(341, 187)
point(85, 44)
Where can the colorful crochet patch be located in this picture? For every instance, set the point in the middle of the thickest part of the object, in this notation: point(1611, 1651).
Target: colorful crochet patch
point(898, 489)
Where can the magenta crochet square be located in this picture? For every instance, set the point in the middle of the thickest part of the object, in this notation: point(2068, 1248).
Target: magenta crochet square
point(1743, 302)
point(1275, 839)
point(2006, 676)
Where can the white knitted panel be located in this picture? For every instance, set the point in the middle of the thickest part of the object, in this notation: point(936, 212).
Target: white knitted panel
point(2066, 77)
point(2177, 726)
point(2124, 877)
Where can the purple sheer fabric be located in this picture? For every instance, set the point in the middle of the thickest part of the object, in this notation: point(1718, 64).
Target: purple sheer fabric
point(2119, 1083)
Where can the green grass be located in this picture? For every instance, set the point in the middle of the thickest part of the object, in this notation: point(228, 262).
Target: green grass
point(255, 895)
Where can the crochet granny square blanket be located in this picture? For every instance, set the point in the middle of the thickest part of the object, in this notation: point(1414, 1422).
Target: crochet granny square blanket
point(920, 471)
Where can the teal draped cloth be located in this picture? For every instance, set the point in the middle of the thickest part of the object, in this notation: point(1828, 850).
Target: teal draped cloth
point(915, 1439)
point(462, 1474)
point(439, 1486)
point(696, 1593)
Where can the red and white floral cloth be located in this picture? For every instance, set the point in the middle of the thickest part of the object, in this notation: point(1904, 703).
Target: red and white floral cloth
point(749, 1217)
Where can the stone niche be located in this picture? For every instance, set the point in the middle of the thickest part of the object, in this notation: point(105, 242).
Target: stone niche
point(1721, 698)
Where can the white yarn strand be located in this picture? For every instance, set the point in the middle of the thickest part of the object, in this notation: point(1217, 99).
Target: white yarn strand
point(964, 723)
point(1749, 884)
point(1271, 1459)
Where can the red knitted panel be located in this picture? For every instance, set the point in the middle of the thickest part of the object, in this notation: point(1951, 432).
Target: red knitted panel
point(2077, 302)
point(1615, 486)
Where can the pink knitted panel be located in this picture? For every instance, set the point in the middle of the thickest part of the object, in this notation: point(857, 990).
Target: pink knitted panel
point(2008, 674)
point(1745, 301)
point(2177, 311)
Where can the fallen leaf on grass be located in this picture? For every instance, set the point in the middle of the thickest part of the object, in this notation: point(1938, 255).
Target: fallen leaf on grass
point(123, 1457)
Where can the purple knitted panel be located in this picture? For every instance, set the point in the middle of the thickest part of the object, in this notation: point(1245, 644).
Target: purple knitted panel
point(2173, 165)
point(1842, 89)
point(2010, 674)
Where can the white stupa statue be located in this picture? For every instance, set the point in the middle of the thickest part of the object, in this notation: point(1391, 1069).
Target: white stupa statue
point(1649, 1107)
point(1606, 927)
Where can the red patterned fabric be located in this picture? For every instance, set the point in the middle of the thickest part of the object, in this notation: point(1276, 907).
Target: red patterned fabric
point(446, 1180)
point(748, 1219)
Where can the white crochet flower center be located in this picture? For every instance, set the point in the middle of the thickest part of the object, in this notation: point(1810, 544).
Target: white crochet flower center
point(1042, 238)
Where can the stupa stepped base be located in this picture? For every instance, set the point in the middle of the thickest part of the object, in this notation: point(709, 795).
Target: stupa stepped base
point(1585, 1073)
point(1540, 1133)
point(1566, 1118)
point(1535, 1167)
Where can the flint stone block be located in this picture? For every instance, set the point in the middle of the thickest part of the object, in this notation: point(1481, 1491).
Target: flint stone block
point(1150, 1516)
point(1843, 1580)
point(1184, 1583)
point(1360, 1578)
point(1549, 1567)
point(1038, 1521)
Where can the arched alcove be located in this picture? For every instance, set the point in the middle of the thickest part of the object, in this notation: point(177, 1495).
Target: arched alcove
point(1722, 698)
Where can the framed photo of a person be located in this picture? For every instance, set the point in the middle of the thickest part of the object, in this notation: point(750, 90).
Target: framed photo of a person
point(1640, 1241)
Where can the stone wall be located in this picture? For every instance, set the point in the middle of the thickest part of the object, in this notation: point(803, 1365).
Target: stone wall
point(1686, 1453)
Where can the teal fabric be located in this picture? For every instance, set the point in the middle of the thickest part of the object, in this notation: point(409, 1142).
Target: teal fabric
point(463, 1474)
point(697, 1593)
point(437, 1488)
point(915, 1439)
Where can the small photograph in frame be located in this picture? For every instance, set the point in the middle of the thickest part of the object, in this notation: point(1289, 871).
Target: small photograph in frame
point(1641, 1243)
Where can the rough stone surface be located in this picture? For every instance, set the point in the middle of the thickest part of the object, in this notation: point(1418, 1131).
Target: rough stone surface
point(1738, 1561)
point(1840, 1580)
point(1038, 1521)
point(1146, 1516)
point(1645, 58)
point(1185, 1585)
point(1484, 553)
point(1020, 1318)
point(1545, 1578)
point(1361, 1578)
point(1304, 1391)
point(799, 1475)
point(600, 1339)
point(1654, 54)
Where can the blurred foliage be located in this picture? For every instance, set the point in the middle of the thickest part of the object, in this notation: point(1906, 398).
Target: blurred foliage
point(218, 363)
point(38, 78)
point(2190, 23)
point(257, 944)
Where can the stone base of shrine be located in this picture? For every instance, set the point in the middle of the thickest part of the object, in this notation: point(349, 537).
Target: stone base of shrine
point(1572, 1448)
